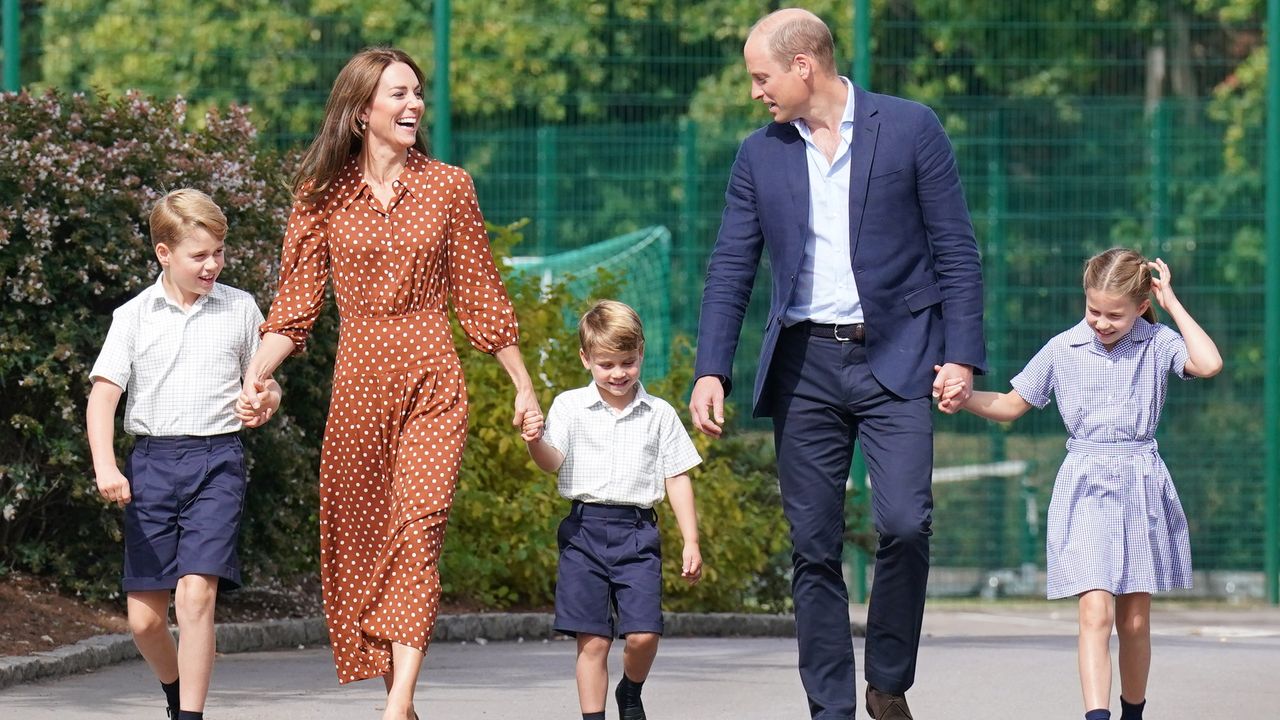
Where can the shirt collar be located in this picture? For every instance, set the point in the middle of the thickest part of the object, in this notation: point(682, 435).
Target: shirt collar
point(158, 296)
point(351, 182)
point(593, 400)
point(846, 120)
point(1082, 334)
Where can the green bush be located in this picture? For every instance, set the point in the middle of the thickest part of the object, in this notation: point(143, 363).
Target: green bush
point(500, 549)
point(78, 178)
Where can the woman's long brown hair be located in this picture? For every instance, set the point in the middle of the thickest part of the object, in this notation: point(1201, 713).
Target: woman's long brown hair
point(340, 134)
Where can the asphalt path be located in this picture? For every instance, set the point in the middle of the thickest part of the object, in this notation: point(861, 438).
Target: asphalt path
point(1000, 663)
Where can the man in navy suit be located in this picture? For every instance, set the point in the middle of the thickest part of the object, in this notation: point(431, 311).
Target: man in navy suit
point(876, 306)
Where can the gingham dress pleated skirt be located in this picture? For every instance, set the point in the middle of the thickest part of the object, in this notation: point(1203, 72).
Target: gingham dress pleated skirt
point(1115, 522)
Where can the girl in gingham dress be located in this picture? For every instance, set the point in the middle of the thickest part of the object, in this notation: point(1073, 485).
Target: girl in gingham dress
point(1115, 528)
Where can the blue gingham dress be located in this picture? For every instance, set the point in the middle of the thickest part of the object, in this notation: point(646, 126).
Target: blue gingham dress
point(1115, 521)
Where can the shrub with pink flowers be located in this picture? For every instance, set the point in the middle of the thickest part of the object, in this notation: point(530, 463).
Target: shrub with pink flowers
point(78, 176)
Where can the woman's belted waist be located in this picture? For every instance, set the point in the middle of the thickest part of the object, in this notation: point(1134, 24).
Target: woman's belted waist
point(1119, 447)
point(394, 343)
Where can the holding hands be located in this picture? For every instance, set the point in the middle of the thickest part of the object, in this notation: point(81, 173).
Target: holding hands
point(952, 387)
point(531, 427)
point(259, 399)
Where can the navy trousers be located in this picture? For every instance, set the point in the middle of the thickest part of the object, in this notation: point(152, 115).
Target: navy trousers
point(823, 398)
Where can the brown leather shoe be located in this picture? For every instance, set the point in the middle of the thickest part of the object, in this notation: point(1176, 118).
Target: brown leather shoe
point(884, 706)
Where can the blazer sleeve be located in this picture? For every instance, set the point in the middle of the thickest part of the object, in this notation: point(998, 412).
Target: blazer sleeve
point(953, 245)
point(731, 272)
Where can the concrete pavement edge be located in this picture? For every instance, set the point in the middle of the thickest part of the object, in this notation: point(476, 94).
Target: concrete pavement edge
point(104, 650)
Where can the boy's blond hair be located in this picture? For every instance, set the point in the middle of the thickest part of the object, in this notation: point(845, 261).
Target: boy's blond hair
point(610, 326)
point(176, 213)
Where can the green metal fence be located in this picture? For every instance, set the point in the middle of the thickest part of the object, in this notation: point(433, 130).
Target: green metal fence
point(1078, 125)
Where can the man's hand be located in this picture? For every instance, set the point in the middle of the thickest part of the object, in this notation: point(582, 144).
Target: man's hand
point(950, 397)
point(706, 405)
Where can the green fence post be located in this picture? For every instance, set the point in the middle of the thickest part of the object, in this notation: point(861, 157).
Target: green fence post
point(688, 320)
point(1161, 127)
point(1271, 433)
point(859, 498)
point(12, 53)
point(442, 105)
point(862, 44)
point(996, 277)
point(546, 212)
point(859, 493)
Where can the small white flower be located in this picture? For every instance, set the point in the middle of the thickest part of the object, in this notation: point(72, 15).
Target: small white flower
point(10, 512)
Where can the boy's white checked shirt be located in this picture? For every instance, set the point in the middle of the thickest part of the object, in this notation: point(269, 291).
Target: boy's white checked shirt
point(181, 370)
point(619, 458)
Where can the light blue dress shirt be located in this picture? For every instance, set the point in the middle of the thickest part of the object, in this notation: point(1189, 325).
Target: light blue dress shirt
point(825, 288)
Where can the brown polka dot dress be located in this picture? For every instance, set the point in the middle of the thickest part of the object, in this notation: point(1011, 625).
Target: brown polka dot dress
point(398, 418)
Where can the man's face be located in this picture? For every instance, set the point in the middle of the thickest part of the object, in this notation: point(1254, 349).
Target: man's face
point(778, 86)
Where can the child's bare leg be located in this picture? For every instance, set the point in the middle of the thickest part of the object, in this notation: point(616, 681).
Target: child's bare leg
point(193, 604)
point(593, 671)
point(149, 623)
point(402, 681)
point(638, 655)
point(1133, 625)
point(1097, 615)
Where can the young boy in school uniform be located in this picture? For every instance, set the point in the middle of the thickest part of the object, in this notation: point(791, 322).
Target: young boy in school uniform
point(179, 348)
point(617, 450)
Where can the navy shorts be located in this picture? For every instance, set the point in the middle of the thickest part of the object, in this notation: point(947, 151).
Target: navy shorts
point(609, 582)
point(184, 519)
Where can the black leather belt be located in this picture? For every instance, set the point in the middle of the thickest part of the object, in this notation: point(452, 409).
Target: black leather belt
point(855, 332)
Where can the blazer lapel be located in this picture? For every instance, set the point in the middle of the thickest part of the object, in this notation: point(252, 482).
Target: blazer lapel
point(796, 168)
point(866, 132)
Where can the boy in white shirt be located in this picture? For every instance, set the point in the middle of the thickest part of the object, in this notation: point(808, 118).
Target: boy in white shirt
point(617, 450)
point(179, 348)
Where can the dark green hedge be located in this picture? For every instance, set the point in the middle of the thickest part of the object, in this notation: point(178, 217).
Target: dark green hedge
point(78, 176)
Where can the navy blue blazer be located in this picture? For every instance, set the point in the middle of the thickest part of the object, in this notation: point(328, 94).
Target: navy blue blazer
point(914, 256)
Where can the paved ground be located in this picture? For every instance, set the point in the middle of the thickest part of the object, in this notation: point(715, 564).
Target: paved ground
point(1005, 663)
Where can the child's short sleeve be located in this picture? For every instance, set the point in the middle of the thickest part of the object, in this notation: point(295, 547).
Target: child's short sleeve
point(555, 429)
point(1171, 350)
point(1035, 382)
point(252, 320)
point(677, 453)
point(115, 360)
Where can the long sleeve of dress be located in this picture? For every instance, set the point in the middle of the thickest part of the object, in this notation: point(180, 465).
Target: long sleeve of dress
point(304, 270)
point(476, 292)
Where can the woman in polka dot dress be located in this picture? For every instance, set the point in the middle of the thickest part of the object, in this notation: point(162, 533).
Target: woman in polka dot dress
point(401, 236)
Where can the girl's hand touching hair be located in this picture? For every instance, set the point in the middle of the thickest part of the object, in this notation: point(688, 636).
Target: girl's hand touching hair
point(1162, 285)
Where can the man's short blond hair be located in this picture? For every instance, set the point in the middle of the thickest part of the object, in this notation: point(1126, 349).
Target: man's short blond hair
point(610, 326)
point(178, 212)
point(792, 32)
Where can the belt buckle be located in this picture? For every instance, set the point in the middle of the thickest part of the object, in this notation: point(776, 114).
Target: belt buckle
point(835, 332)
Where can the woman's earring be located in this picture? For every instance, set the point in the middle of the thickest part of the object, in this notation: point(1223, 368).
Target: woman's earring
point(361, 124)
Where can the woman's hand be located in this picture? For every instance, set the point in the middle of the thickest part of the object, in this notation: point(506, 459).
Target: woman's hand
point(526, 403)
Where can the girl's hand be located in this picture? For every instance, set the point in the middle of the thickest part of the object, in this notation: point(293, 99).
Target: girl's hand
point(1162, 286)
point(952, 395)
